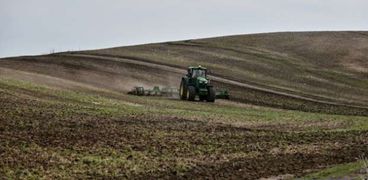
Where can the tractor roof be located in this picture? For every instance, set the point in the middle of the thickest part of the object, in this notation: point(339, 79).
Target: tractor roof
point(196, 67)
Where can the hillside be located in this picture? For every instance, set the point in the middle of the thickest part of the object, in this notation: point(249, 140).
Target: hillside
point(323, 65)
point(299, 105)
point(315, 72)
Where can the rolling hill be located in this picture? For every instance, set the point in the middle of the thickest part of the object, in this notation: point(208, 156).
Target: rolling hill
point(299, 103)
point(331, 66)
point(317, 72)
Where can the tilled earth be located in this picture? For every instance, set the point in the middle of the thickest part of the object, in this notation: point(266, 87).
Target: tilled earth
point(120, 74)
point(42, 139)
point(52, 134)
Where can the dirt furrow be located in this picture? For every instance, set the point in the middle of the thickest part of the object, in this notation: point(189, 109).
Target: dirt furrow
point(215, 78)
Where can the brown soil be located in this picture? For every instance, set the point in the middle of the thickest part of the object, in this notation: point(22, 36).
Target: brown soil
point(183, 141)
point(120, 74)
point(313, 72)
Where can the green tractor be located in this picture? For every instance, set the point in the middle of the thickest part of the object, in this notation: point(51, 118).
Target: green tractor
point(195, 83)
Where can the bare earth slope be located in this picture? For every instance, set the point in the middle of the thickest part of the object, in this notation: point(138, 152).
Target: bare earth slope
point(67, 115)
point(330, 65)
point(316, 72)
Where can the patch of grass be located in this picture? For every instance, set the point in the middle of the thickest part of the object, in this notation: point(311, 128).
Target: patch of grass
point(342, 171)
point(102, 106)
point(74, 101)
point(48, 162)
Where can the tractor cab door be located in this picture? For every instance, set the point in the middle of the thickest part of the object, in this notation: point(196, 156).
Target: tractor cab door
point(189, 74)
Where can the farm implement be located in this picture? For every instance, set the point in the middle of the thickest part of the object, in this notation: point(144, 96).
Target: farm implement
point(194, 84)
point(155, 91)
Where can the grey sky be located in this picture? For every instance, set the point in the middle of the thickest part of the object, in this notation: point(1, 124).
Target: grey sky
point(38, 26)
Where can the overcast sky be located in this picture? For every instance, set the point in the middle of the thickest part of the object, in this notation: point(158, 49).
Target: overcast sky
point(39, 26)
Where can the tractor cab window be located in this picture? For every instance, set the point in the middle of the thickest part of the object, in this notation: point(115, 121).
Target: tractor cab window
point(198, 73)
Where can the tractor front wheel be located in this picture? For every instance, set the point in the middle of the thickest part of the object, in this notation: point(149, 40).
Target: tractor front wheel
point(183, 91)
point(191, 93)
point(211, 95)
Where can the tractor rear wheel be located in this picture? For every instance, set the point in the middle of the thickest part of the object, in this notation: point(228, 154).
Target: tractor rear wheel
point(211, 95)
point(191, 93)
point(183, 90)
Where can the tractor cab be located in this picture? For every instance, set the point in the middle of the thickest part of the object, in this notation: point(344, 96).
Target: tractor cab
point(194, 72)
